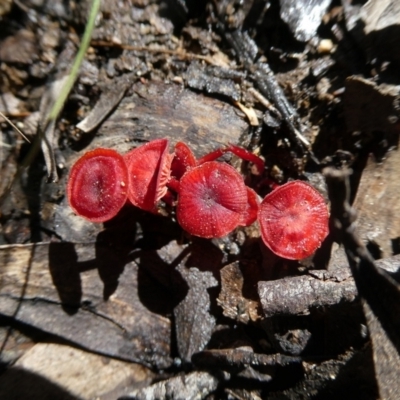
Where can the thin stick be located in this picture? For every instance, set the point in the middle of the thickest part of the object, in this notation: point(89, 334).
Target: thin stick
point(15, 127)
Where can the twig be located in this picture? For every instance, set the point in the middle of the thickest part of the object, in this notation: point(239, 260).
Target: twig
point(15, 127)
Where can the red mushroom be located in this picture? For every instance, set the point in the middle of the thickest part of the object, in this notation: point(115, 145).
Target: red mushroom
point(212, 200)
point(253, 205)
point(97, 185)
point(294, 220)
point(149, 169)
point(183, 160)
point(238, 151)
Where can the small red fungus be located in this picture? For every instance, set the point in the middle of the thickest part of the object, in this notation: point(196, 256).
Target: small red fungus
point(248, 156)
point(253, 205)
point(294, 220)
point(183, 160)
point(97, 185)
point(149, 168)
point(238, 151)
point(212, 200)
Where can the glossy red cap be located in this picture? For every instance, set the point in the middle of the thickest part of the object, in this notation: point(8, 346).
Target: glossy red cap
point(98, 185)
point(294, 220)
point(149, 169)
point(212, 200)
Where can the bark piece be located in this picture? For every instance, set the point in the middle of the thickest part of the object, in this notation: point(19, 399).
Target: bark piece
point(74, 369)
point(380, 293)
point(109, 99)
point(302, 294)
point(60, 288)
point(369, 107)
point(348, 376)
point(304, 16)
point(378, 205)
point(194, 323)
point(193, 386)
point(243, 364)
point(291, 336)
point(168, 111)
point(385, 354)
point(242, 357)
point(231, 299)
point(16, 383)
point(210, 80)
point(381, 20)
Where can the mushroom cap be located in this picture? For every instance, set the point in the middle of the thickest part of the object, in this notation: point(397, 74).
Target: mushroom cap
point(149, 169)
point(212, 200)
point(253, 205)
point(294, 220)
point(183, 160)
point(98, 185)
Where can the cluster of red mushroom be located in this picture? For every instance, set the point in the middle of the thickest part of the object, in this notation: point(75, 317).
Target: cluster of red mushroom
point(211, 197)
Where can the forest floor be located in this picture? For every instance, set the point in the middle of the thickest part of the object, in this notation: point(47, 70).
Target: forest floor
point(137, 308)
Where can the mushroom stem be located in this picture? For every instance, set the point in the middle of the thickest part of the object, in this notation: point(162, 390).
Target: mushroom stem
point(247, 156)
point(238, 151)
point(212, 156)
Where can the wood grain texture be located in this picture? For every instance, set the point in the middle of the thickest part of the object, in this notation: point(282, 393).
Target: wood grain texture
point(83, 294)
point(161, 110)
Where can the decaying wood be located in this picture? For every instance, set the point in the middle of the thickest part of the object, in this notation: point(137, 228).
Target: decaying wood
point(231, 299)
point(381, 21)
point(377, 204)
point(132, 297)
point(379, 291)
point(371, 108)
point(60, 289)
point(246, 51)
point(242, 357)
point(257, 370)
point(301, 295)
point(194, 323)
point(75, 371)
point(304, 16)
point(108, 100)
point(213, 80)
point(192, 386)
point(159, 110)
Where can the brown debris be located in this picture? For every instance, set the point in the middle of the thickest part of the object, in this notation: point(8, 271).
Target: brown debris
point(192, 386)
point(231, 299)
point(138, 288)
point(242, 357)
point(302, 294)
point(381, 19)
point(108, 100)
point(157, 110)
point(379, 291)
point(194, 323)
point(20, 48)
point(72, 369)
point(56, 288)
point(378, 207)
point(370, 107)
